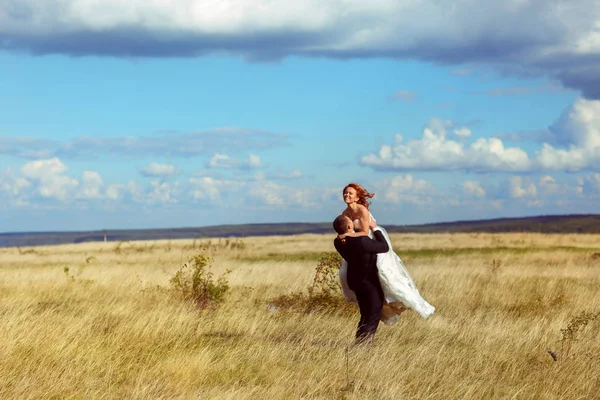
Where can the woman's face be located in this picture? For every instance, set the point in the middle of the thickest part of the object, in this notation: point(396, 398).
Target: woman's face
point(350, 195)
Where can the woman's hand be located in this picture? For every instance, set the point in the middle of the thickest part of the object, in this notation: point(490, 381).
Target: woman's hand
point(343, 236)
point(372, 223)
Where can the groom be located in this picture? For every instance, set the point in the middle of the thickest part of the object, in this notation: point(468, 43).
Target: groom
point(361, 255)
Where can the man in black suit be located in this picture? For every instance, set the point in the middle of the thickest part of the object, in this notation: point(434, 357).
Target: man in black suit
point(360, 253)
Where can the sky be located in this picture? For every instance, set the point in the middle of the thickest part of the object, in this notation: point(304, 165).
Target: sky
point(179, 113)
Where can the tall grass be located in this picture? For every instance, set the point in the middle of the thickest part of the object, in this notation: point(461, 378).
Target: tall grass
point(90, 321)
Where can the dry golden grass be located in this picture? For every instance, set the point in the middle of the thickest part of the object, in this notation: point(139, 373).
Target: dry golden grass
point(110, 329)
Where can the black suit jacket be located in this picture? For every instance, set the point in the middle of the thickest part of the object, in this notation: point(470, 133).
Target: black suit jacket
point(361, 255)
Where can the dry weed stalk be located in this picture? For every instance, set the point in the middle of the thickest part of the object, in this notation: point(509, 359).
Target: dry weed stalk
point(575, 326)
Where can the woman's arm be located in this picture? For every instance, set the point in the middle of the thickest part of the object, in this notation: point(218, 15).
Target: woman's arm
point(365, 222)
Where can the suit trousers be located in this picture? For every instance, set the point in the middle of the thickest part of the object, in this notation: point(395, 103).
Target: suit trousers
point(370, 302)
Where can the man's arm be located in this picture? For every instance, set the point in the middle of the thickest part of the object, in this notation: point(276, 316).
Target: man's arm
point(379, 245)
point(339, 246)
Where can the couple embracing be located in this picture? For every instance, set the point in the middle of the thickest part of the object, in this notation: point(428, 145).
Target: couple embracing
point(372, 275)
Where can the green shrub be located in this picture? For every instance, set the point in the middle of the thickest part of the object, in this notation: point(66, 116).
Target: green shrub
point(324, 294)
point(194, 282)
point(326, 280)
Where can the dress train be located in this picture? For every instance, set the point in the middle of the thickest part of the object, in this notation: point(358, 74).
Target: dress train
point(399, 289)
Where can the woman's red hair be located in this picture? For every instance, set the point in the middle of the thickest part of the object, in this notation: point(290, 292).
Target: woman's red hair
point(362, 193)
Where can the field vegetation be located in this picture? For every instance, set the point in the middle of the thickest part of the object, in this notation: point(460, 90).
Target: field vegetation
point(518, 317)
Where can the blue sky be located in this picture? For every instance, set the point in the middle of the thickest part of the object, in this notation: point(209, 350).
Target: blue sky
point(193, 113)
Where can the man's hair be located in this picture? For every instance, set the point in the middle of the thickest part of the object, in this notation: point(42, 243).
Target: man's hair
point(340, 224)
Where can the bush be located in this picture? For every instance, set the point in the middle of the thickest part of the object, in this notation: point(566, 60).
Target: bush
point(194, 282)
point(326, 280)
point(324, 294)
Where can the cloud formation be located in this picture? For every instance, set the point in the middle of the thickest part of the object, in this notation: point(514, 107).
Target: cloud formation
point(571, 144)
point(521, 188)
point(436, 151)
point(542, 37)
point(221, 160)
point(473, 189)
point(48, 183)
point(91, 185)
point(154, 169)
point(254, 193)
point(13, 188)
point(166, 144)
point(50, 179)
point(45, 182)
point(405, 189)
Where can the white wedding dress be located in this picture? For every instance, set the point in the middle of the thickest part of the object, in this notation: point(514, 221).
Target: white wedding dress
point(398, 287)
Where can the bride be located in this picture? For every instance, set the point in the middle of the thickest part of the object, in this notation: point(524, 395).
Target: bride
point(398, 287)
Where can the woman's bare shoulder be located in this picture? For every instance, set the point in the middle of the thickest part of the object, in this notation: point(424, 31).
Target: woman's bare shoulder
point(363, 210)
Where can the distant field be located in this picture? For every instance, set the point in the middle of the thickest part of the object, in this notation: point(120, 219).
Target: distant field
point(98, 321)
point(541, 224)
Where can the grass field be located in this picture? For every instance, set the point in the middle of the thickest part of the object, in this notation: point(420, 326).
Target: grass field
point(99, 321)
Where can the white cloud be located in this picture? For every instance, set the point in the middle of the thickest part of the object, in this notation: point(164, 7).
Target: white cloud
point(579, 125)
point(51, 183)
point(545, 38)
point(136, 191)
point(210, 189)
point(13, 189)
point(521, 188)
point(41, 169)
point(114, 191)
point(463, 132)
point(47, 179)
point(162, 192)
point(159, 170)
point(220, 160)
point(256, 192)
point(578, 129)
point(12, 185)
point(270, 194)
point(434, 151)
point(473, 189)
point(549, 189)
point(267, 193)
point(572, 144)
point(548, 184)
point(91, 183)
point(253, 161)
point(157, 193)
point(405, 189)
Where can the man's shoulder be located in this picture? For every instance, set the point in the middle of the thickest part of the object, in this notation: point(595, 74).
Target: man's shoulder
point(351, 242)
point(350, 239)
